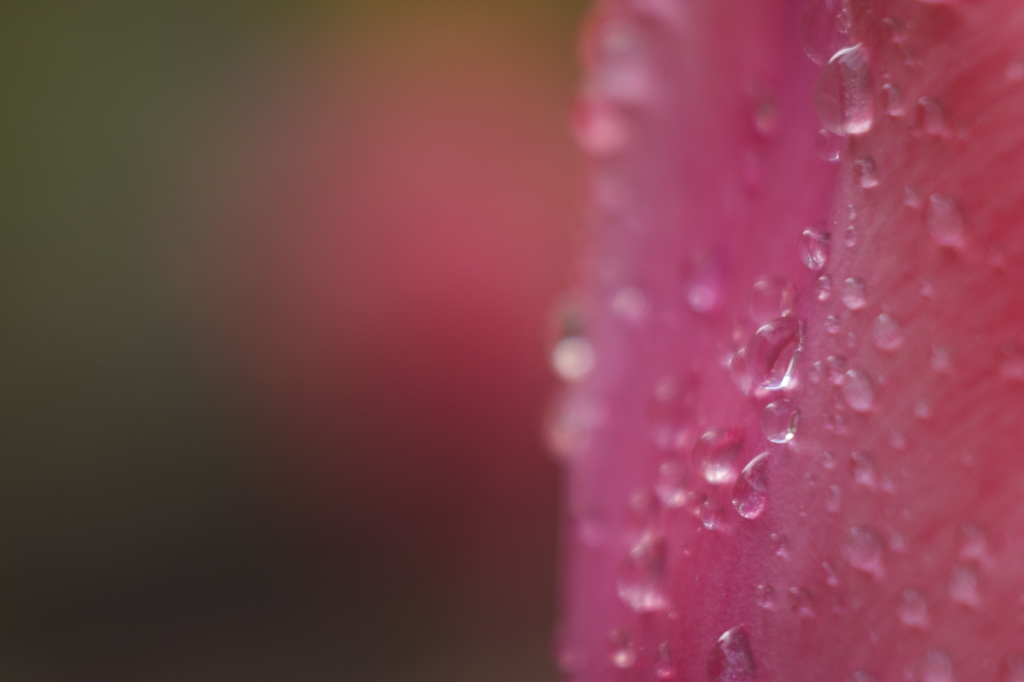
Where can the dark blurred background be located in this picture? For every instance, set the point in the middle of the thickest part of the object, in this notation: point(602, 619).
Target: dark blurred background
point(274, 282)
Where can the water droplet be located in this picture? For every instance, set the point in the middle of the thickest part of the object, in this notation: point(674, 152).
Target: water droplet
point(853, 296)
point(573, 358)
point(623, 653)
point(923, 409)
point(764, 596)
point(858, 391)
point(731, 659)
point(842, 94)
point(834, 499)
point(705, 288)
point(945, 222)
point(772, 352)
point(671, 410)
point(973, 543)
point(911, 198)
point(739, 371)
point(750, 492)
point(936, 666)
point(781, 544)
point(819, 30)
point(862, 549)
point(771, 297)
point(836, 369)
point(664, 669)
point(832, 325)
point(828, 460)
point(932, 116)
point(801, 601)
point(823, 288)
point(850, 236)
point(893, 98)
point(716, 453)
point(887, 333)
point(963, 586)
point(897, 441)
point(828, 147)
point(671, 484)
point(709, 513)
point(630, 304)
point(863, 469)
point(868, 172)
point(912, 609)
point(641, 580)
point(814, 248)
point(940, 359)
point(779, 421)
point(831, 577)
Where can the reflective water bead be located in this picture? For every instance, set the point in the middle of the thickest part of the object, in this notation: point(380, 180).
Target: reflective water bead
point(843, 96)
point(750, 492)
point(912, 609)
point(823, 288)
point(853, 295)
point(641, 580)
point(573, 358)
point(867, 172)
point(828, 147)
point(814, 248)
point(937, 666)
point(858, 391)
point(779, 421)
point(862, 549)
point(887, 333)
point(731, 659)
point(772, 352)
point(945, 221)
point(963, 586)
point(771, 297)
point(716, 453)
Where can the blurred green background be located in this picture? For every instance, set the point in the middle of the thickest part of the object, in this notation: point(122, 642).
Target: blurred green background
point(274, 280)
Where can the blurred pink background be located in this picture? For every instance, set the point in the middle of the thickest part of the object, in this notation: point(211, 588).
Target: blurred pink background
point(276, 279)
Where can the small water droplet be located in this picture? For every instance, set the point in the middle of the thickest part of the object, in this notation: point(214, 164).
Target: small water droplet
point(739, 371)
point(854, 297)
point(709, 513)
point(600, 129)
point(771, 297)
point(932, 116)
point(764, 596)
point(863, 676)
point(897, 441)
point(887, 333)
point(963, 586)
point(823, 288)
point(973, 543)
point(816, 372)
point(836, 369)
point(945, 221)
point(781, 544)
point(940, 360)
point(766, 117)
point(814, 248)
point(664, 668)
point(623, 653)
point(862, 549)
point(779, 421)
point(716, 453)
point(868, 172)
point(893, 98)
point(801, 601)
point(750, 493)
point(911, 199)
point(828, 460)
point(912, 609)
point(641, 580)
point(858, 391)
point(923, 409)
point(863, 469)
point(832, 325)
point(834, 499)
point(850, 236)
point(772, 352)
point(831, 577)
point(573, 358)
point(842, 94)
point(731, 659)
point(937, 665)
point(671, 484)
point(828, 147)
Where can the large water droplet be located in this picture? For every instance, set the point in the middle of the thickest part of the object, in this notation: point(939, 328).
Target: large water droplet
point(819, 30)
point(750, 493)
point(862, 549)
point(772, 352)
point(854, 297)
point(716, 453)
point(842, 95)
point(887, 333)
point(771, 297)
point(858, 391)
point(731, 659)
point(573, 358)
point(779, 421)
point(945, 221)
point(912, 609)
point(814, 248)
point(641, 580)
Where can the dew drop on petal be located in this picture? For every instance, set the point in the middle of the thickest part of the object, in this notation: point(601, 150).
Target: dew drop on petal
point(843, 96)
point(912, 609)
point(671, 484)
point(750, 492)
point(573, 358)
point(858, 391)
point(854, 297)
point(801, 602)
point(731, 659)
point(963, 586)
point(945, 221)
point(671, 408)
point(771, 297)
point(892, 96)
point(716, 453)
point(823, 288)
point(937, 667)
point(764, 596)
point(932, 116)
point(832, 325)
point(828, 147)
point(868, 173)
point(641, 580)
point(834, 499)
point(623, 653)
point(772, 352)
point(779, 421)
point(940, 360)
point(863, 469)
point(887, 333)
point(819, 30)
point(814, 248)
point(664, 668)
point(862, 549)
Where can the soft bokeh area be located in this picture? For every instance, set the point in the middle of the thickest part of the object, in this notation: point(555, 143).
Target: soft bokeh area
point(276, 278)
